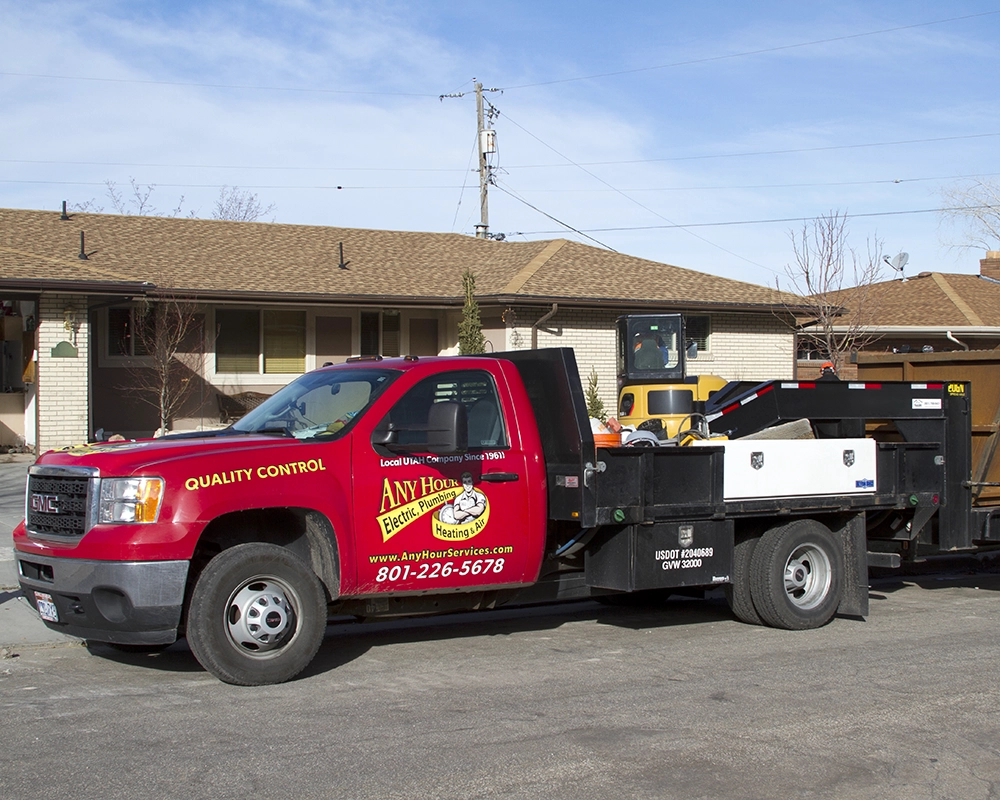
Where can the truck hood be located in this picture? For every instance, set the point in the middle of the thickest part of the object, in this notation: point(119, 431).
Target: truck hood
point(126, 458)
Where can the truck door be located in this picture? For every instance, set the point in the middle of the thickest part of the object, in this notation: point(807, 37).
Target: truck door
point(428, 522)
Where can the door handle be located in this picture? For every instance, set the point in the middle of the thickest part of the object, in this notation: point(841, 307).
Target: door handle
point(499, 477)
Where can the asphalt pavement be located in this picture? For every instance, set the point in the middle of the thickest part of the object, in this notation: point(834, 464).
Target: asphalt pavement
point(20, 625)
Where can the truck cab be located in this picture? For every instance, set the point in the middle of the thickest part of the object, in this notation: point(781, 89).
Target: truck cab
point(403, 477)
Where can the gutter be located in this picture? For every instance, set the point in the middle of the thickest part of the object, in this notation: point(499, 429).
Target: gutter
point(146, 288)
point(939, 330)
point(85, 287)
point(534, 328)
point(658, 304)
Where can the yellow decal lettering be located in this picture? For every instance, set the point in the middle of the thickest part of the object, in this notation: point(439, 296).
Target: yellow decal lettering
point(392, 522)
point(388, 500)
point(461, 532)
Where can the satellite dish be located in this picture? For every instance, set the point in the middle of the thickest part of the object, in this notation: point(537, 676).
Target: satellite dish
point(897, 262)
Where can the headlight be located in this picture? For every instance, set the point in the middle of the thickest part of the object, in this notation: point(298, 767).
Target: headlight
point(130, 499)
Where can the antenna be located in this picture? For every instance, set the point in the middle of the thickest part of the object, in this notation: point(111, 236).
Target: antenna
point(897, 262)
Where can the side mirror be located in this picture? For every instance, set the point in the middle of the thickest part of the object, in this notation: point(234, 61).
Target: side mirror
point(692, 351)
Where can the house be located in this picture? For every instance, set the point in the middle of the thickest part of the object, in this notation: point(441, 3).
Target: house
point(933, 311)
point(274, 301)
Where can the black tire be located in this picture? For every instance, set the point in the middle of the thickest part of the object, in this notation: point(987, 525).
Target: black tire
point(225, 627)
point(796, 575)
point(738, 593)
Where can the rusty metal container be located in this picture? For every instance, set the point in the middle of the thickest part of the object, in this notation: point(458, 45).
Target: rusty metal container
point(981, 368)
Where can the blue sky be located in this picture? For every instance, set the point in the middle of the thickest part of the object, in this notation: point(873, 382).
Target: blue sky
point(696, 134)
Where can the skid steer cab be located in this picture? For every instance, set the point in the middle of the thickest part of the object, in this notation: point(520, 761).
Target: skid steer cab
point(654, 390)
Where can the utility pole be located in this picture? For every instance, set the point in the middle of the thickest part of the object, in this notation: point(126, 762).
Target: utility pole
point(483, 228)
point(486, 143)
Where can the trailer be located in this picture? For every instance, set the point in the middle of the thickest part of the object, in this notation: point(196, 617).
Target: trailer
point(951, 401)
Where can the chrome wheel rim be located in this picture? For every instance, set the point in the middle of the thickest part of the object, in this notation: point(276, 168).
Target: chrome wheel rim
point(260, 616)
point(807, 577)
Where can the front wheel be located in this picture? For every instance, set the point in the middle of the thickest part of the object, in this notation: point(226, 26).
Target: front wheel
point(257, 615)
point(796, 575)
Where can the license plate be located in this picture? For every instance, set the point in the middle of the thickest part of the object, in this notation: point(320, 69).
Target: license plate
point(46, 607)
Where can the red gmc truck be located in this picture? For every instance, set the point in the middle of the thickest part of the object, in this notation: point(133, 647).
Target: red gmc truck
point(412, 486)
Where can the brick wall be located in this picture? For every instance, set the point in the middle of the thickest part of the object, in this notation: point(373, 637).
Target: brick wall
point(741, 346)
point(63, 383)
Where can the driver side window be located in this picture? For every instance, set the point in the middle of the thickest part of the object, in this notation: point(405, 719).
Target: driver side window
point(474, 389)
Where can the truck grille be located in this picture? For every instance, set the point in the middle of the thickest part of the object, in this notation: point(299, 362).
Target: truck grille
point(59, 501)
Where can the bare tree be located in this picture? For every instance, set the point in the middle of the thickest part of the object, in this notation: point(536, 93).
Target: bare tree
point(976, 207)
point(233, 203)
point(169, 342)
point(138, 202)
point(239, 205)
point(841, 288)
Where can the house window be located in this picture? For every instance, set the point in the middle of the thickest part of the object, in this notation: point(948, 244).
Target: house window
point(333, 339)
point(698, 330)
point(251, 341)
point(424, 337)
point(369, 333)
point(381, 333)
point(391, 344)
point(284, 342)
point(129, 331)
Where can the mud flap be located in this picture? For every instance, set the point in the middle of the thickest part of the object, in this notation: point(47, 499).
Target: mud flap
point(854, 599)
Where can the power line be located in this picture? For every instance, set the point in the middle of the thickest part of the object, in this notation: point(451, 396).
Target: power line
point(158, 185)
point(464, 186)
point(812, 185)
point(559, 221)
point(310, 167)
point(743, 154)
point(759, 221)
point(465, 183)
point(762, 51)
point(569, 162)
point(196, 85)
point(632, 199)
point(616, 73)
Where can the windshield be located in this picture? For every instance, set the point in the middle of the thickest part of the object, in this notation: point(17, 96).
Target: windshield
point(324, 403)
point(655, 343)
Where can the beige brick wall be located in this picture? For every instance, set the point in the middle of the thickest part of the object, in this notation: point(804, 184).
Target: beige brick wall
point(741, 346)
point(63, 383)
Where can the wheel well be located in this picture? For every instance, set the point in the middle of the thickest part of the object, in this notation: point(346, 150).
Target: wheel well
point(308, 534)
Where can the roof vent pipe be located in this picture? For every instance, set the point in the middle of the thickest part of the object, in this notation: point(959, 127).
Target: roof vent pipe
point(951, 338)
point(538, 324)
point(83, 250)
point(64, 215)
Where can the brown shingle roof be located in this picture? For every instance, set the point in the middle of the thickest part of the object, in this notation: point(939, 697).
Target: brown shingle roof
point(935, 300)
point(215, 258)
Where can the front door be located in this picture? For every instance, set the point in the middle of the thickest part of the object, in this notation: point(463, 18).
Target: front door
point(428, 522)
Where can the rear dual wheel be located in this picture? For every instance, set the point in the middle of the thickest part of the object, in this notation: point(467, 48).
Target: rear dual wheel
point(791, 577)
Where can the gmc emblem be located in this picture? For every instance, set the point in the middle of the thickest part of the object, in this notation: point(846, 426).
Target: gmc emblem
point(45, 503)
